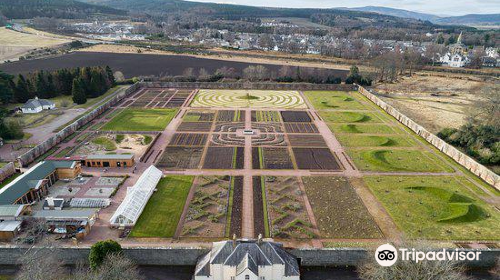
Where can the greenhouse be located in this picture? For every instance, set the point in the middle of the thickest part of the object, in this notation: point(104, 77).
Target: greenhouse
point(137, 197)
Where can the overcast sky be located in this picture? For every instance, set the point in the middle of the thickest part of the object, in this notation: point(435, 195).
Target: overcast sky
point(438, 7)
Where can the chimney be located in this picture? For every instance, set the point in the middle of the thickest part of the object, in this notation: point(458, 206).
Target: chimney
point(234, 240)
point(50, 202)
point(259, 240)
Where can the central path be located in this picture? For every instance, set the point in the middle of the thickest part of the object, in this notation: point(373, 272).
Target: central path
point(247, 219)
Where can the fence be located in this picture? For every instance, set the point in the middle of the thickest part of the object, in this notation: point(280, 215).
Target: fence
point(31, 155)
point(8, 170)
point(473, 166)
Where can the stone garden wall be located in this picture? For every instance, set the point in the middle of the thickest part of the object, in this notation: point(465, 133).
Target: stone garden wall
point(473, 166)
point(8, 170)
point(255, 86)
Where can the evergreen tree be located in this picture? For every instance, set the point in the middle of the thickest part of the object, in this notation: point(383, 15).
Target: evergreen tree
point(111, 77)
point(51, 88)
point(6, 88)
point(41, 85)
point(79, 96)
point(21, 92)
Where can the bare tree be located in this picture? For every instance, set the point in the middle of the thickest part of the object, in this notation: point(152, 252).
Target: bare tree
point(38, 264)
point(486, 107)
point(115, 267)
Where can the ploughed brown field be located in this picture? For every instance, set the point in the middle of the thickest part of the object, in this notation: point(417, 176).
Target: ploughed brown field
point(133, 65)
point(237, 207)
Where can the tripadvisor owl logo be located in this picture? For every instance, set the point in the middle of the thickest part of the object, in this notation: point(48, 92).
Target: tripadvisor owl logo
point(386, 255)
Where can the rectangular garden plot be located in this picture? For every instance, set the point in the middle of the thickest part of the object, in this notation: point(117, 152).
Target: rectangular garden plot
point(233, 226)
point(207, 212)
point(315, 159)
point(230, 116)
point(297, 140)
point(265, 116)
point(199, 116)
point(295, 116)
point(219, 158)
point(338, 210)
point(261, 223)
point(180, 158)
point(271, 158)
point(286, 208)
point(195, 126)
point(188, 139)
point(301, 128)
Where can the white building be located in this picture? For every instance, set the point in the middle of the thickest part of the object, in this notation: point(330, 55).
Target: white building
point(247, 260)
point(36, 105)
point(457, 55)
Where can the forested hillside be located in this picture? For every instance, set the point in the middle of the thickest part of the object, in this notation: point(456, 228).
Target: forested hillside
point(21, 9)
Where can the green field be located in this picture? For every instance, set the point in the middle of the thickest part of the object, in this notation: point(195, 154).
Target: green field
point(362, 128)
point(349, 117)
point(349, 140)
point(141, 120)
point(164, 208)
point(436, 207)
point(324, 100)
point(108, 144)
point(398, 160)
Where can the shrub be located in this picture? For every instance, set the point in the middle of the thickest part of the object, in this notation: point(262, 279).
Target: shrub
point(100, 250)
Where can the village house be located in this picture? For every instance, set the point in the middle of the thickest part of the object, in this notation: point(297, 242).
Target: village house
point(457, 55)
point(36, 105)
point(247, 260)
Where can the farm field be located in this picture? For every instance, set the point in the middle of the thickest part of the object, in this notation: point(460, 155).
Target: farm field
point(164, 208)
point(248, 98)
point(140, 120)
point(444, 207)
point(339, 211)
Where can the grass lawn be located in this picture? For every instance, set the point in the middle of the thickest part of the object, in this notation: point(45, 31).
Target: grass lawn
point(361, 128)
point(141, 120)
point(2, 164)
point(349, 117)
point(349, 140)
point(333, 100)
point(10, 179)
point(398, 160)
point(164, 208)
point(108, 144)
point(436, 207)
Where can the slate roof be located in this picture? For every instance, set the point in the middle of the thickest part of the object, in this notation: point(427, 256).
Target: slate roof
point(11, 210)
point(35, 103)
point(30, 180)
point(249, 254)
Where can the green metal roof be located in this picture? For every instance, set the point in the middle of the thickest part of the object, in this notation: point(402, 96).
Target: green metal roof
point(29, 180)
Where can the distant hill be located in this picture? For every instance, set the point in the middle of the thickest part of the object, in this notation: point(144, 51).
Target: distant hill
point(472, 19)
point(21, 9)
point(330, 17)
point(395, 12)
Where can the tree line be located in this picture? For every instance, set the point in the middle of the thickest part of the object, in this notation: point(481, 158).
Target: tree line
point(82, 83)
point(259, 73)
